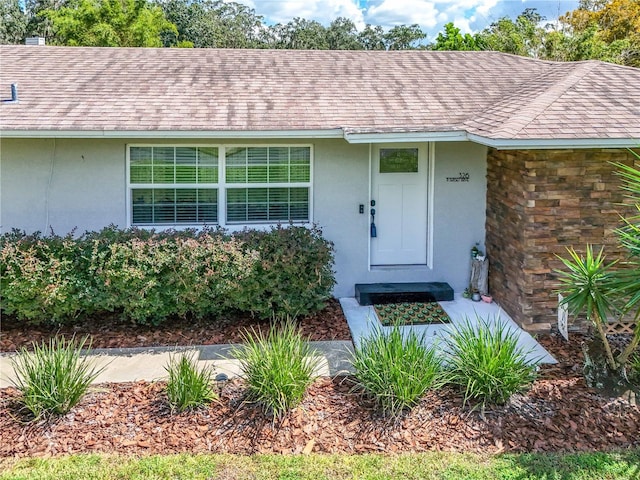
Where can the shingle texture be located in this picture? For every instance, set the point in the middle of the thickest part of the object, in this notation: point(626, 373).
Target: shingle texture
point(490, 94)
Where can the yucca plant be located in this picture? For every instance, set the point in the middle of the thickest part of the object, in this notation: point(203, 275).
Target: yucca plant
point(587, 284)
point(188, 386)
point(591, 287)
point(485, 362)
point(278, 367)
point(54, 376)
point(396, 369)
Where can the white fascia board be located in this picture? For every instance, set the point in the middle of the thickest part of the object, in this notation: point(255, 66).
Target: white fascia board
point(167, 134)
point(406, 137)
point(555, 143)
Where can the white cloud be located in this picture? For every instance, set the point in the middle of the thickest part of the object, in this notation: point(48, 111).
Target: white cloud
point(389, 13)
point(468, 15)
point(323, 11)
point(431, 15)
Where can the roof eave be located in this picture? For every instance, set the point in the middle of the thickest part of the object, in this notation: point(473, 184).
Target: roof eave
point(186, 134)
point(349, 136)
point(405, 137)
point(553, 143)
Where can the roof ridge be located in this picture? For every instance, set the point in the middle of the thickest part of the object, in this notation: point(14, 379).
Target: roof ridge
point(517, 122)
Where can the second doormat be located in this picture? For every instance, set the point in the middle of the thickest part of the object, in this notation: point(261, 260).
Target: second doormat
point(411, 314)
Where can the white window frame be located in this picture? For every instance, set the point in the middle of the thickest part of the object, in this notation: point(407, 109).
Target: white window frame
point(222, 187)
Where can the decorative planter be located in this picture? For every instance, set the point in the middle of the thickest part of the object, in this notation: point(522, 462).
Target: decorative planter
point(475, 297)
point(487, 298)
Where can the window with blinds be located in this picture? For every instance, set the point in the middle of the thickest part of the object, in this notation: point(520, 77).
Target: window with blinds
point(173, 185)
point(181, 185)
point(267, 184)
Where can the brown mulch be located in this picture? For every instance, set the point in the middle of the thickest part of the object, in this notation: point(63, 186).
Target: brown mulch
point(559, 413)
point(109, 332)
point(555, 415)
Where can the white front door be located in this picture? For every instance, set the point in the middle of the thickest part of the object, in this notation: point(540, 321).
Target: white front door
point(399, 190)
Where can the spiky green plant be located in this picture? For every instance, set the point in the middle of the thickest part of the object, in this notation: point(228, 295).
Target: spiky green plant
point(485, 362)
point(278, 367)
point(396, 369)
point(188, 386)
point(591, 287)
point(54, 376)
point(586, 282)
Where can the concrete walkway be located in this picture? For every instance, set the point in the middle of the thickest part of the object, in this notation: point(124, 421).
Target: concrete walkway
point(362, 318)
point(148, 363)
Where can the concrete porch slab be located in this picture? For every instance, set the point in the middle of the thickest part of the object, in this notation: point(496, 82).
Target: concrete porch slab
point(361, 319)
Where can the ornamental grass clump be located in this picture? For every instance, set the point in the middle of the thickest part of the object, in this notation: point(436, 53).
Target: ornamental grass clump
point(278, 367)
point(396, 369)
point(54, 376)
point(485, 362)
point(188, 385)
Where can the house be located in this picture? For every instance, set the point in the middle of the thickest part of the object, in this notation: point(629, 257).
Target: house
point(448, 149)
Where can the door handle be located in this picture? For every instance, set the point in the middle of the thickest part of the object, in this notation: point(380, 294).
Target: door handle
point(373, 231)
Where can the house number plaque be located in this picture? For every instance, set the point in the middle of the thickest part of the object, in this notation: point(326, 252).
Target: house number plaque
point(462, 177)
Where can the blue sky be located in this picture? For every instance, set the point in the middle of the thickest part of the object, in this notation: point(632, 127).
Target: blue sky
point(431, 15)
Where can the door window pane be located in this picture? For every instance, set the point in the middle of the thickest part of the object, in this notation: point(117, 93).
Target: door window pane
point(398, 160)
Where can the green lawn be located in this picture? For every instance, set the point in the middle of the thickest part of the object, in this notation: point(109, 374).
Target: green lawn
point(594, 466)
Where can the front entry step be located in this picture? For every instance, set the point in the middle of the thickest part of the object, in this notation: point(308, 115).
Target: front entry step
point(381, 293)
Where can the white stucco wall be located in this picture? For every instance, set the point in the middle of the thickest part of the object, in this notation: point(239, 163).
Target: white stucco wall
point(81, 183)
point(342, 183)
point(61, 184)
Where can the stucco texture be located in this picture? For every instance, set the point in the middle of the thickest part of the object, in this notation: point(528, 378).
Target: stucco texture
point(67, 184)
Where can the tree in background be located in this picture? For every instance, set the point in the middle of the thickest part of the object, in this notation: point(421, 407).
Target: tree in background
point(453, 39)
point(597, 29)
point(372, 38)
point(609, 31)
point(342, 34)
point(404, 37)
point(107, 23)
point(213, 23)
point(299, 34)
point(13, 22)
point(37, 23)
point(524, 36)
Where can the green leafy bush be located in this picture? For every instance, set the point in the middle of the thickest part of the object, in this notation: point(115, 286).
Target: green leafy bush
point(486, 363)
point(148, 276)
point(53, 378)
point(188, 386)
point(294, 276)
point(396, 369)
point(278, 367)
point(133, 275)
point(43, 280)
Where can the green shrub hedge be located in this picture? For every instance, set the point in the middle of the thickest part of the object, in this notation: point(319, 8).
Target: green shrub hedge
point(149, 276)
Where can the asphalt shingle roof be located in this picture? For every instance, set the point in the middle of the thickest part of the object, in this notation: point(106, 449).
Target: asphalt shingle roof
point(489, 94)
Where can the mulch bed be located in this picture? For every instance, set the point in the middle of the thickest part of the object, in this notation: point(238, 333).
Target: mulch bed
point(110, 332)
point(559, 413)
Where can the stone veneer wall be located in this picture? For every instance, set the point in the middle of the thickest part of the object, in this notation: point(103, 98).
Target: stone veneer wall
point(538, 203)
